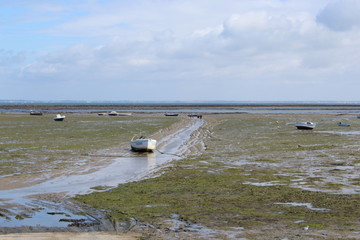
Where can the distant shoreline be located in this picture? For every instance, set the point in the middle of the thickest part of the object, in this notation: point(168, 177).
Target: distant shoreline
point(182, 109)
point(176, 106)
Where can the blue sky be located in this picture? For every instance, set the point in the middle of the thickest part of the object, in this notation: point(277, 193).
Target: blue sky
point(172, 50)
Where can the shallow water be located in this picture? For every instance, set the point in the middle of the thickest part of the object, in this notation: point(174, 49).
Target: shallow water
point(307, 205)
point(121, 170)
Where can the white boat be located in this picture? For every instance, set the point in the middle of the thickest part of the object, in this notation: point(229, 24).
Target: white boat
point(59, 117)
point(305, 125)
point(113, 113)
point(143, 144)
point(343, 124)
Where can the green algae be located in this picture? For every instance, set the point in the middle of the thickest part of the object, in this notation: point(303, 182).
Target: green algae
point(38, 144)
point(249, 166)
point(221, 199)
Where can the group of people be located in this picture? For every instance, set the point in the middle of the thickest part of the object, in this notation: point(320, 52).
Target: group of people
point(195, 115)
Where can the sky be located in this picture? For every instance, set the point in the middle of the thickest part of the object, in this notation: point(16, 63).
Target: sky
point(180, 50)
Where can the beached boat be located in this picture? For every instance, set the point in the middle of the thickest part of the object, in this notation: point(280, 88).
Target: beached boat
point(143, 144)
point(343, 124)
point(59, 117)
point(305, 125)
point(113, 113)
point(101, 114)
point(171, 114)
point(37, 113)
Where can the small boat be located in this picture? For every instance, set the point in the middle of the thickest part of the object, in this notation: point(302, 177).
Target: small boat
point(59, 117)
point(305, 125)
point(171, 114)
point(101, 114)
point(143, 144)
point(343, 124)
point(38, 113)
point(113, 113)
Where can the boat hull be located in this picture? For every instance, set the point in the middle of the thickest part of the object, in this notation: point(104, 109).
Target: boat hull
point(35, 113)
point(304, 128)
point(59, 117)
point(305, 125)
point(143, 145)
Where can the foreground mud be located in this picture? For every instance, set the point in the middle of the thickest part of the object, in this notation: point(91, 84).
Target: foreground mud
point(257, 177)
point(72, 236)
point(48, 199)
point(248, 176)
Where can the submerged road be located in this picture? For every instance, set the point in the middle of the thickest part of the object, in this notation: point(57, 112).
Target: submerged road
point(121, 170)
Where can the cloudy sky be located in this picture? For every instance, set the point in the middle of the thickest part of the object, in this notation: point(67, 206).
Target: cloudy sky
point(180, 50)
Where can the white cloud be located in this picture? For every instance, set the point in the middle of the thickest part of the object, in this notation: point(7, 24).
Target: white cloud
point(242, 50)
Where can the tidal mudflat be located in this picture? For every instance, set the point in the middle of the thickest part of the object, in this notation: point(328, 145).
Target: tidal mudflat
point(258, 177)
point(43, 161)
point(240, 176)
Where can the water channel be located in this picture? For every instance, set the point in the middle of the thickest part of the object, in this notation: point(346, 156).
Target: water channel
point(121, 170)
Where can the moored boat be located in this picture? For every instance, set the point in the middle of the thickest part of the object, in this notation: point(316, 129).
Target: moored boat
point(305, 125)
point(143, 144)
point(113, 113)
point(171, 114)
point(59, 117)
point(343, 124)
point(37, 113)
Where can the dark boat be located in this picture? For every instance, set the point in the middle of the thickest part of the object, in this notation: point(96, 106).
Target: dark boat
point(171, 114)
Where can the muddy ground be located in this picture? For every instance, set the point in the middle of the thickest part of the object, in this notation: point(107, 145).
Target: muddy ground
point(324, 161)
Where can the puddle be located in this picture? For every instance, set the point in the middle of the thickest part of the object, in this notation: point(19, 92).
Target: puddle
point(342, 132)
point(49, 216)
point(121, 170)
point(265, 184)
point(307, 205)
